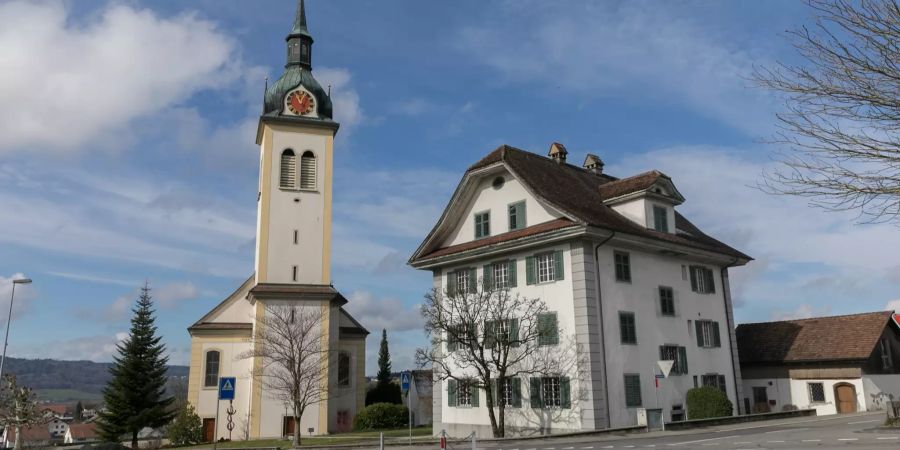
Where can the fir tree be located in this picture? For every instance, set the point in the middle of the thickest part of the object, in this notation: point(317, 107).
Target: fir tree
point(384, 361)
point(135, 396)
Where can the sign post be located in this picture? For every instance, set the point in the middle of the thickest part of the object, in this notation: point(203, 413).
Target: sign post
point(226, 392)
point(665, 368)
point(404, 386)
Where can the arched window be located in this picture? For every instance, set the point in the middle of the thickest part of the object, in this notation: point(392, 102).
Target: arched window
point(288, 169)
point(343, 369)
point(211, 378)
point(308, 171)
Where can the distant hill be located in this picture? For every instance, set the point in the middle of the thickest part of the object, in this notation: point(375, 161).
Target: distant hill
point(64, 381)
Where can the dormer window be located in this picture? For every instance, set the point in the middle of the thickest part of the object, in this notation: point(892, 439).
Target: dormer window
point(660, 218)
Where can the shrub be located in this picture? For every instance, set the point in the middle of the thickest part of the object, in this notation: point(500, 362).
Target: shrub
point(384, 393)
point(708, 402)
point(186, 429)
point(381, 416)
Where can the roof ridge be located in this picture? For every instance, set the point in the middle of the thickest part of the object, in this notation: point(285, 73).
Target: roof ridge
point(805, 319)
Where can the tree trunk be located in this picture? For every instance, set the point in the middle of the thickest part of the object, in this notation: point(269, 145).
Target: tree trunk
point(134, 441)
point(18, 445)
point(298, 413)
point(489, 397)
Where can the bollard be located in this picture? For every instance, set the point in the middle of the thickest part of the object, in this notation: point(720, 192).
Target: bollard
point(473, 441)
point(381, 440)
point(443, 440)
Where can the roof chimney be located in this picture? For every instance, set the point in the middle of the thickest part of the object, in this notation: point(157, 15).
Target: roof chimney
point(558, 153)
point(593, 163)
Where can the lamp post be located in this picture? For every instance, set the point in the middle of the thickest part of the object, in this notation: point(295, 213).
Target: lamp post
point(12, 297)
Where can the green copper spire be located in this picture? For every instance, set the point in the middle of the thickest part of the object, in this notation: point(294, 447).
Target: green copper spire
point(300, 22)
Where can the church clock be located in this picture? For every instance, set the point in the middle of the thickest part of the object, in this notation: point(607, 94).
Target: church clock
point(301, 102)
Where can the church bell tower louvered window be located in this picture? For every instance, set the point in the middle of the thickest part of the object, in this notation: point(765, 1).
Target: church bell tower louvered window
point(288, 170)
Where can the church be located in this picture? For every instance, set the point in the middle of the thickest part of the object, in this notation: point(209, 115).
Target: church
point(292, 270)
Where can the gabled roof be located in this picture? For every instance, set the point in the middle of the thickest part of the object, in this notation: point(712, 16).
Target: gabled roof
point(835, 338)
point(356, 329)
point(83, 430)
point(579, 195)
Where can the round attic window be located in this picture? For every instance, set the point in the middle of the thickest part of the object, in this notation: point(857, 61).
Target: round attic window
point(498, 182)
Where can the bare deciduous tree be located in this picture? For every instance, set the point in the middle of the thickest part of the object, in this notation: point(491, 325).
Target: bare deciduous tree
point(291, 346)
point(18, 408)
point(486, 338)
point(843, 110)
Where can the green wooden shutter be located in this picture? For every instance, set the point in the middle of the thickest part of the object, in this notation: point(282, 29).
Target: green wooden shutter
point(565, 399)
point(451, 284)
point(517, 392)
point(717, 341)
point(721, 381)
point(520, 216)
point(558, 263)
point(473, 281)
point(682, 360)
point(514, 332)
point(451, 392)
point(487, 279)
point(490, 334)
point(554, 329)
point(452, 342)
point(699, 329)
point(693, 278)
point(512, 273)
point(710, 283)
point(536, 393)
point(529, 270)
point(473, 391)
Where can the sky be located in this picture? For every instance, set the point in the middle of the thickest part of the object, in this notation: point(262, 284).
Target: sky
point(127, 148)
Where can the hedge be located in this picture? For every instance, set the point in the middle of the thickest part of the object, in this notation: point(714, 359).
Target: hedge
point(380, 416)
point(708, 402)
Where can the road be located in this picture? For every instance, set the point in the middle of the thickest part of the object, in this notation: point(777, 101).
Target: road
point(856, 431)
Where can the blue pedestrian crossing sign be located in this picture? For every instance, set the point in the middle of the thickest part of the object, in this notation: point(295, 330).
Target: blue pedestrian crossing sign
point(404, 381)
point(226, 388)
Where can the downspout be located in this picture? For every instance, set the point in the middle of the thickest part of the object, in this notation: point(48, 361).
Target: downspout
point(726, 294)
point(602, 333)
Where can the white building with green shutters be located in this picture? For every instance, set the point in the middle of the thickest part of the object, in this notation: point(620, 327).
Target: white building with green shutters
point(622, 272)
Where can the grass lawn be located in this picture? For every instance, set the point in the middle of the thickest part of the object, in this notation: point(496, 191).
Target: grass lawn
point(332, 439)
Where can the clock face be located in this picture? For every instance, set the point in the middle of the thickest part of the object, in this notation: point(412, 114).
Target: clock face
point(300, 102)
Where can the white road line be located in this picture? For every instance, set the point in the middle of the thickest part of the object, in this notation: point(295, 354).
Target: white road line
point(812, 440)
point(702, 440)
point(741, 443)
point(586, 448)
point(887, 438)
point(863, 421)
point(848, 439)
point(607, 446)
point(567, 448)
point(774, 442)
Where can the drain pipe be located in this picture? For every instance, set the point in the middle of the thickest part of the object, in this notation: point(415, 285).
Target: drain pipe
point(602, 333)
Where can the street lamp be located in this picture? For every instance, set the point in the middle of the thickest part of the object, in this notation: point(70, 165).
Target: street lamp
point(12, 297)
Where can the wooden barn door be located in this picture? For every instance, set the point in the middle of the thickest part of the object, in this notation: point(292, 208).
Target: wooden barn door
point(845, 397)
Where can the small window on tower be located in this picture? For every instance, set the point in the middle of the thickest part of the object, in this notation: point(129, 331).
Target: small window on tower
point(294, 273)
point(288, 170)
point(304, 51)
point(308, 171)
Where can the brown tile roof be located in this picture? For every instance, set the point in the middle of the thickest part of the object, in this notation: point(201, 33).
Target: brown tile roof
point(579, 193)
point(504, 237)
point(318, 291)
point(833, 338)
point(83, 430)
point(35, 433)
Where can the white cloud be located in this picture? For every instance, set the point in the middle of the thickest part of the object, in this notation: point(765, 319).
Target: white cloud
point(645, 49)
point(344, 98)
point(893, 305)
point(64, 85)
point(801, 312)
point(93, 278)
point(383, 313)
point(171, 295)
point(98, 348)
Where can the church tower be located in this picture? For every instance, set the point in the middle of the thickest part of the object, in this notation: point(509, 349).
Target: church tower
point(296, 135)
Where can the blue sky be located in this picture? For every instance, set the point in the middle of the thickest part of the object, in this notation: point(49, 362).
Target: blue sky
point(127, 153)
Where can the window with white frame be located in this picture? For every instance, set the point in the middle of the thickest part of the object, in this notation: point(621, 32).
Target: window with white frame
point(546, 267)
point(482, 224)
point(505, 394)
point(708, 334)
point(666, 301)
point(211, 378)
point(308, 171)
point(623, 266)
point(816, 392)
point(660, 219)
point(463, 281)
point(677, 354)
point(500, 275)
point(714, 380)
point(550, 392)
point(702, 280)
point(464, 394)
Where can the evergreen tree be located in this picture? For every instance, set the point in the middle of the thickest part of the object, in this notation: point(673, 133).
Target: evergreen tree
point(384, 361)
point(135, 396)
point(79, 411)
point(385, 391)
